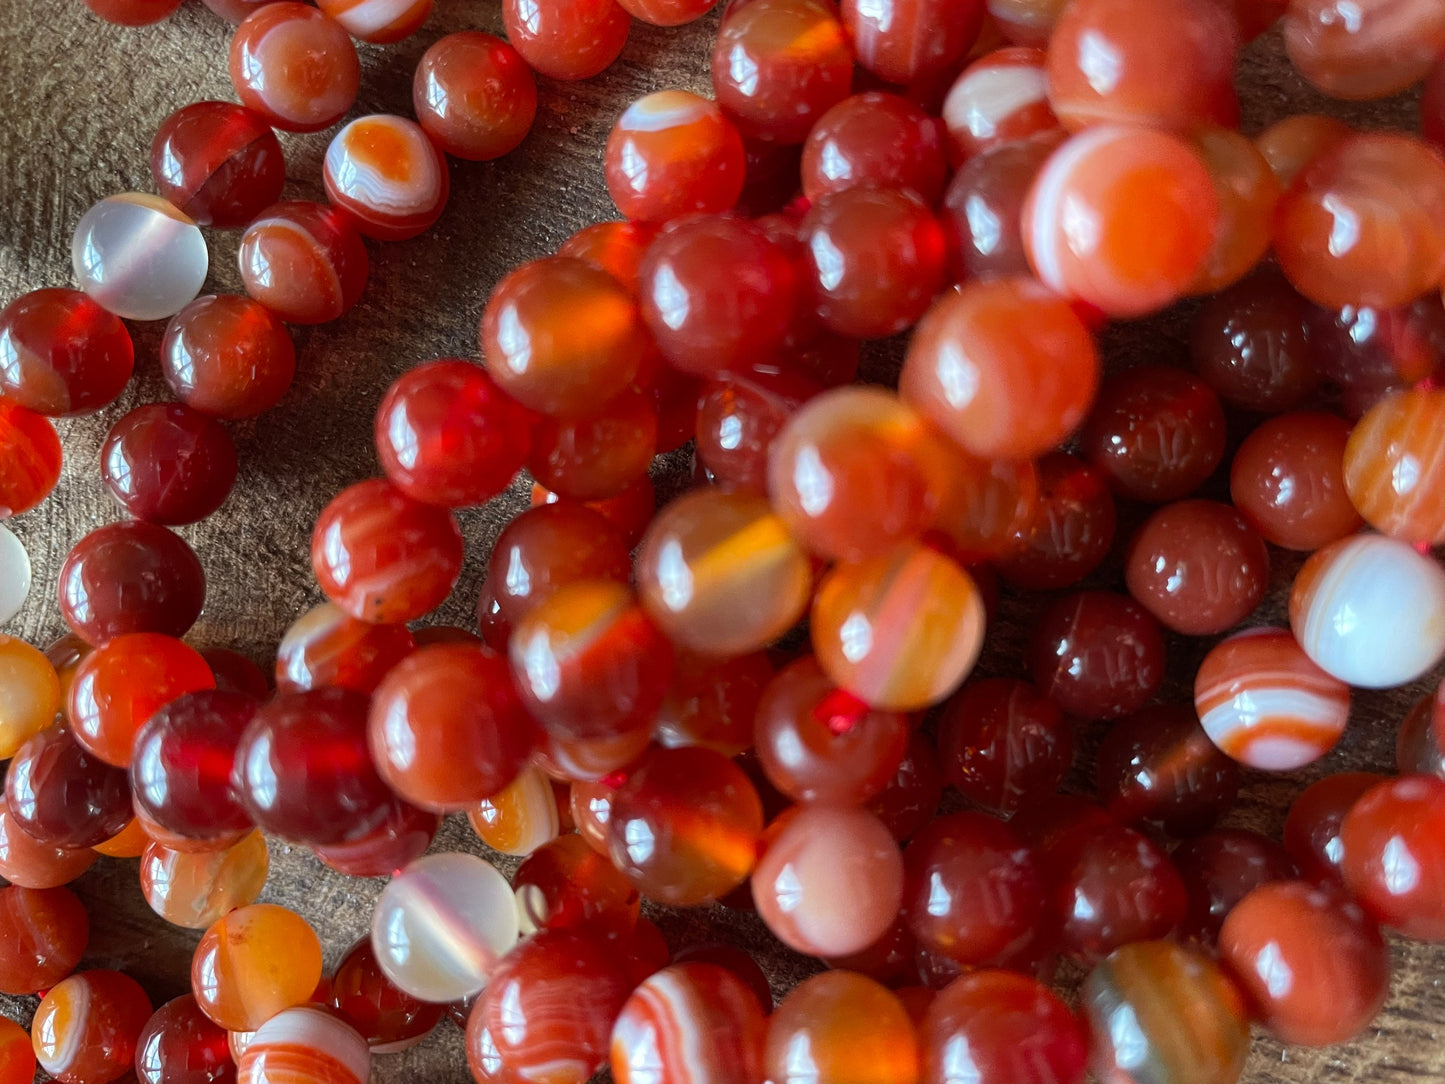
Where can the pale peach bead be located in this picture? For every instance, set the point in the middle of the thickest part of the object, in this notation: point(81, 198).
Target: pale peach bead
point(521, 817)
point(29, 694)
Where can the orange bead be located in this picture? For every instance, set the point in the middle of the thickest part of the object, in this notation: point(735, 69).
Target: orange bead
point(253, 963)
point(27, 863)
point(899, 631)
point(520, 817)
point(474, 95)
point(1364, 223)
point(1395, 466)
point(575, 40)
point(1006, 368)
point(988, 503)
point(1291, 144)
point(29, 694)
point(1248, 191)
point(673, 153)
point(29, 459)
point(17, 1058)
point(86, 1028)
point(1363, 49)
point(129, 842)
point(615, 247)
point(843, 1028)
point(195, 890)
point(1288, 480)
point(721, 575)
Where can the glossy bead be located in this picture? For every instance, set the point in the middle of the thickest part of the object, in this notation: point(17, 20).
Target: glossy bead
point(717, 292)
point(133, 12)
point(303, 770)
point(1248, 192)
point(474, 96)
point(615, 247)
point(326, 647)
point(1138, 62)
point(1369, 353)
point(1159, 765)
point(566, 884)
point(181, 1045)
point(561, 336)
point(44, 933)
point(253, 963)
point(30, 697)
point(1006, 369)
point(1161, 1012)
point(305, 1043)
point(590, 804)
point(987, 503)
point(1389, 468)
point(62, 354)
point(1156, 432)
point(380, 24)
point(385, 175)
point(911, 797)
point(1112, 886)
point(1219, 869)
point(403, 836)
point(387, 1018)
point(1312, 828)
point(17, 1056)
point(15, 580)
point(874, 138)
point(31, 464)
point(1314, 969)
point(1364, 196)
point(196, 890)
point(167, 463)
point(1419, 748)
point(294, 66)
point(1368, 50)
point(998, 1027)
point(227, 356)
point(27, 863)
point(1070, 531)
point(1250, 344)
point(1345, 610)
point(1113, 177)
point(1198, 567)
point(521, 817)
point(442, 925)
point(1003, 743)
point(672, 153)
point(303, 261)
point(598, 456)
point(841, 1027)
point(779, 65)
point(693, 1022)
point(668, 12)
point(129, 842)
point(1000, 98)
point(86, 1028)
point(572, 41)
point(137, 256)
point(629, 511)
point(924, 619)
point(59, 793)
point(130, 578)
point(548, 547)
point(1393, 856)
point(217, 163)
point(904, 43)
point(739, 417)
point(1293, 142)
point(234, 11)
point(122, 684)
point(1288, 481)
point(383, 557)
point(1097, 655)
point(983, 206)
point(684, 826)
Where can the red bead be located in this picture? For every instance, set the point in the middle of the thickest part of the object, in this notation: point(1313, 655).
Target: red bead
point(1312, 828)
point(709, 1005)
point(673, 153)
point(87, 1028)
point(304, 772)
point(565, 884)
point(1071, 530)
point(228, 356)
point(167, 463)
point(1379, 49)
point(1248, 192)
point(598, 456)
point(1394, 860)
point(44, 933)
point(181, 1045)
point(405, 834)
point(1250, 344)
point(988, 504)
point(567, 41)
point(62, 354)
point(983, 208)
point(996, 1027)
point(27, 863)
point(294, 66)
point(1097, 655)
point(1419, 747)
point(218, 163)
point(1003, 744)
point(384, 174)
point(303, 261)
point(29, 459)
point(629, 511)
point(1287, 479)
point(387, 1018)
point(911, 797)
point(474, 95)
point(60, 794)
point(739, 416)
point(130, 577)
point(133, 12)
point(1219, 869)
point(905, 41)
point(548, 547)
point(1370, 352)
point(713, 702)
point(383, 557)
point(1159, 765)
point(236, 673)
point(874, 138)
point(779, 65)
point(325, 646)
point(1000, 98)
point(615, 247)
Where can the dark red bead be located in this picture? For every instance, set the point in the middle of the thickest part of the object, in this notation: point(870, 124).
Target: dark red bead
point(1219, 869)
point(218, 162)
point(1250, 343)
point(738, 417)
point(387, 1018)
point(1312, 827)
point(403, 836)
point(181, 1045)
point(62, 354)
point(60, 794)
point(1159, 765)
point(1097, 654)
point(911, 797)
point(167, 463)
point(1003, 744)
point(131, 577)
point(1071, 529)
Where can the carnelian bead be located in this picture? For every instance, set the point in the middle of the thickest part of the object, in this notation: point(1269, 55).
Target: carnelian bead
point(1115, 177)
point(17, 1056)
point(446, 434)
point(61, 795)
point(998, 1027)
point(1070, 531)
point(167, 463)
point(1219, 869)
point(548, 547)
point(843, 1028)
point(615, 247)
point(1251, 344)
point(566, 41)
point(1312, 827)
point(1290, 144)
point(1000, 98)
point(1097, 654)
point(133, 12)
point(1365, 49)
point(720, 573)
point(1362, 224)
point(1025, 22)
point(1159, 765)
point(739, 417)
point(1390, 466)
point(1254, 17)
point(474, 96)
point(1288, 480)
point(1156, 432)
point(629, 511)
point(906, 41)
point(713, 702)
point(561, 336)
point(380, 24)
point(383, 173)
point(1113, 886)
point(228, 356)
point(383, 557)
point(900, 631)
point(874, 138)
point(252, 964)
point(983, 208)
point(1368, 353)
point(218, 163)
point(523, 815)
point(717, 293)
point(1003, 744)
point(192, 889)
point(1168, 65)
point(30, 694)
point(86, 1029)
point(569, 760)
point(389, 1019)
point(1392, 839)
point(29, 458)
point(294, 66)
point(565, 884)
point(45, 933)
point(130, 577)
point(598, 456)
point(27, 863)
point(668, 12)
point(403, 836)
point(62, 354)
point(987, 502)
point(779, 65)
point(326, 646)
point(1248, 193)
point(855, 472)
point(446, 729)
point(673, 153)
point(1005, 368)
point(876, 259)
point(303, 261)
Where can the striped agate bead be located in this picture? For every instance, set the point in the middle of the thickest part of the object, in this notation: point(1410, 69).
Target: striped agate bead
point(691, 1023)
point(1002, 96)
point(520, 817)
point(305, 1045)
point(385, 175)
point(378, 21)
point(1394, 466)
point(1265, 704)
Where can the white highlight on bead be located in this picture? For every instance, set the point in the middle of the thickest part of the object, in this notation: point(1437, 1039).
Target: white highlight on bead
point(15, 575)
point(988, 94)
point(139, 257)
point(1057, 217)
point(369, 17)
point(662, 110)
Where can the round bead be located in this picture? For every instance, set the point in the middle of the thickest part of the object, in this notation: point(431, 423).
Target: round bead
point(181, 1045)
point(1005, 369)
point(668, 12)
point(739, 417)
point(227, 356)
point(16, 578)
point(1288, 481)
point(1159, 765)
point(1112, 886)
point(1097, 655)
point(219, 164)
point(167, 463)
point(522, 816)
point(1389, 466)
point(30, 697)
point(1248, 192)
point(905, 42)
point(60, 794)
point(62, 354)
point(442, 925)
point(1219, 869)
point(997, 1027)
point(1114, 177)
point(403, 837)
point(1345, 608)
point(1370, 49)
point(566, 41)
point(1392, 840)
point(874, 138)
point(1420, 744)
point(1000, 98)
point(548, 547)
point(1369, 353)
point(566, 884)
point(844, 1028)
point(86, 1028)
point(389, 1019)
point(690, 1021)
point(31, 464)
point(384, 174)
point(138, 257)
point(983, 208)
point(27, 863)
point(130, 577)
point(1250, 343)
point(599, 456)
point(252, 964)
point(672, 153)
point(305, 1043)
point(378, 23)
point(303, 261)
point(133, 12)
point(196, 890)
point(821, 857)
point(17, 1056)
point(615, 247)
point(1070, 531)
point(1292, 143)
point(45, 932)
point(1312, 828)
point(325, 646)
point(295, 66)
point(1003, 743)
point(474, 95)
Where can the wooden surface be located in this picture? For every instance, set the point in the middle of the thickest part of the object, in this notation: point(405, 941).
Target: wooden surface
point(79, 101)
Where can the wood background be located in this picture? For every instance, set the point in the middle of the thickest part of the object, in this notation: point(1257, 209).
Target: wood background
point(79, 102)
